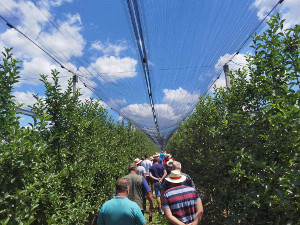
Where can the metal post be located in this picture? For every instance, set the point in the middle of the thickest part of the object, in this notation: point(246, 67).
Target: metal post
point(75, 80)
point(227, 78)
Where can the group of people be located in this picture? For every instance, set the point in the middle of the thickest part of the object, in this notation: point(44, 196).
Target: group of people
point(175, 192)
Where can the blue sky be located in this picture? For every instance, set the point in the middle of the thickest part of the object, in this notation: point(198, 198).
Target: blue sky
point(187, 43)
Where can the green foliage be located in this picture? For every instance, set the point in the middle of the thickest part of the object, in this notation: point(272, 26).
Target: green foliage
point(241, 146)
point(8, 77)
point(64, 167)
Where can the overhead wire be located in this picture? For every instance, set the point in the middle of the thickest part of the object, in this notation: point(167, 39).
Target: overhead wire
point(246, 40)
point(134, 13)
point(58, 61)
point(180, 65)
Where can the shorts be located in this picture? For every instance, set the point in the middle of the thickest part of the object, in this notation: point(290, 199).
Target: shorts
point(157, 188)
point(149, 180)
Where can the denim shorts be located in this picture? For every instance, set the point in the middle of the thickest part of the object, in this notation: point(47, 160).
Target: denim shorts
point(157, 188)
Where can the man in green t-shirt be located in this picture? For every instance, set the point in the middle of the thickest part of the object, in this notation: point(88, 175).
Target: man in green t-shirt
point(139, 189)
point(120, 210)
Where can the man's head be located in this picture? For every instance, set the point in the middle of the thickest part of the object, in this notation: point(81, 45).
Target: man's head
point(132, 168)
point(156, 159)
point(176, 166)
point(122, 186)
point(138, 161)
point(146, 156)
point(170, 163)
point(176, 178)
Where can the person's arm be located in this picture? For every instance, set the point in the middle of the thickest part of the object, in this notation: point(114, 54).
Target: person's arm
point(149, 196)
point(100, 220)
point(199, 213)
point(152, 177)
point(191, 182)
point(162, 192)
point(172, 219)
point(163, 177)
point(147, 192)
point(139, 217)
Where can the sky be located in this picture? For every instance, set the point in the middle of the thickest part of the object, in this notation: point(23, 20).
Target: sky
point(187, 43)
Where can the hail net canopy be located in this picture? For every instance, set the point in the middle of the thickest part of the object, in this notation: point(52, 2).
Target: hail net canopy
point(149, 60)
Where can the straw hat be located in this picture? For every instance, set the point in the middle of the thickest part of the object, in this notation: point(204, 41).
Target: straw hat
point(176, 177)
point(137, 161)
point(170, 162)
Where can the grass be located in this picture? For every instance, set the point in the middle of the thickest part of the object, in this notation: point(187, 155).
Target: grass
point(157, 219)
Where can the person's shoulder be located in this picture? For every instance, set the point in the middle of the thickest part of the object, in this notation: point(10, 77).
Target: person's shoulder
point(188, 177)
point(108, 203)
point(132, 204)
point(128, 175)
point(182, 188)
point(187, 189)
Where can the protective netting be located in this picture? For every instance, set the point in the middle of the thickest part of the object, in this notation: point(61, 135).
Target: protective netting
point(148, 60)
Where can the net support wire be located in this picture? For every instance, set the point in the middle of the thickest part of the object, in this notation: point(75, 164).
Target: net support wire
point(138, 33)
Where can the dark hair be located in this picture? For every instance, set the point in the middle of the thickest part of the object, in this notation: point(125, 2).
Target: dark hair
point(167, 158)
point(122, 185)
point(156, 159)
point(132, 166)
point(146, 156)
point(143, 158)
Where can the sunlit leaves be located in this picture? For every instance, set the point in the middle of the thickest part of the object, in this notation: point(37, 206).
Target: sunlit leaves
point(245, 141)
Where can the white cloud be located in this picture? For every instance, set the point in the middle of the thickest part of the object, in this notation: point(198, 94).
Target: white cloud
point(180, 100)
point(25, 98)
point(166, 115)
point(109, 48)
point(22, 47)
point(180, 96)
point(237, 62)
point(68, 41)
point(65, 42)
point(142, 114)
point(289, 10)
point(58, 2)
point(30, 75)
point(32, 17)
point(116, 103)
point(32, 70)
point(264, 7)
point(113, 68)
point(7, 5)
point(176, 103)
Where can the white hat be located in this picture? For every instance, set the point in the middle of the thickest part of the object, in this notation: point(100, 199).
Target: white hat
point(176, 177)
point(137, 161)
point(170, 162)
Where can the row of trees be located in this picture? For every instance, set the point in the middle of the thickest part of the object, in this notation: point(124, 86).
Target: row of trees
point(63, 167)
point(241, 146)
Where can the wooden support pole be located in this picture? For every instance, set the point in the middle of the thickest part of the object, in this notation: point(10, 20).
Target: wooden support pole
point(75, 80)
point(227, 78)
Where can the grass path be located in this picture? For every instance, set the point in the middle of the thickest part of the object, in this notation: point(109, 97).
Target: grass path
point(156, 218)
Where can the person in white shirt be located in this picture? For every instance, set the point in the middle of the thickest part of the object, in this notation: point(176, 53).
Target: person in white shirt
point(147, 164)
point(140, 169)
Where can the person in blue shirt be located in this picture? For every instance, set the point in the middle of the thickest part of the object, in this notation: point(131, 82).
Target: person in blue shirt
point(157, 173)
point(120, 210)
